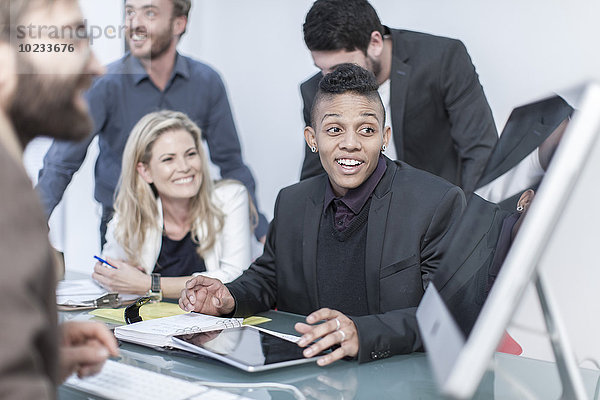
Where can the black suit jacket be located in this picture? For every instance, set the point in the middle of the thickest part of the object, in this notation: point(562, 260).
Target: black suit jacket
point(464, 274)
point(441, 120)
point(411, 212)
point(527, 128)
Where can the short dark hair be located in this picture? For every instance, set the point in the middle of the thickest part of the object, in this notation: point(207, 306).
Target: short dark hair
point(347, 78)
point(181, 8)
point(340, 25)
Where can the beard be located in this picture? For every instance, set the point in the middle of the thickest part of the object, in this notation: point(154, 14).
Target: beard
point(45, 104)
point(374, 66)
point(161, 42)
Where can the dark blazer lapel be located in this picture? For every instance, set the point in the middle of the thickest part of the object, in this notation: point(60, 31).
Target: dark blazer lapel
point(538, 121)
point(312, 219)
point(399, 78)
point(376, 228)
point(512, 152)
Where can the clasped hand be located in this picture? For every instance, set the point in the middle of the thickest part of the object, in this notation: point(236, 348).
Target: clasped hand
point(207, 296)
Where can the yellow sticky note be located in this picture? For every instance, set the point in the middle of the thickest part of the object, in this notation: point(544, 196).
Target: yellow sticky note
point(112, 314)
point(255, 320)
point(147, 311)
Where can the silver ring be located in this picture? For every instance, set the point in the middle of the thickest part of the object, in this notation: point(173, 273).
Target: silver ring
point(337, 324)
point(343, 336)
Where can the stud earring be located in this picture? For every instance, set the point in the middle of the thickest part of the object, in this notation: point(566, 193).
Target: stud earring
point(383, 148)
point(520, 208)
point(313, 149)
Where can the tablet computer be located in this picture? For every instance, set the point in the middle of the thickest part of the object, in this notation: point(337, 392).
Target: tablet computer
point(246, 348)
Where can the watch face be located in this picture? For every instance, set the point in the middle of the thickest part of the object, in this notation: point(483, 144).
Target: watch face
point(155, 296)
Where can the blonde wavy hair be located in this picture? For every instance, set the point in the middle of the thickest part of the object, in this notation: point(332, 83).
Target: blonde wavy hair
point(135, 202)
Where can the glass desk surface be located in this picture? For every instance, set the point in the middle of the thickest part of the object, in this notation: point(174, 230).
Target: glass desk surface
point(399, 377)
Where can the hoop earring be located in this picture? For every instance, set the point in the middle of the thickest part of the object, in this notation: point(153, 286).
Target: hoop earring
point(520, 208)
point(313, 149)
point(383, 148)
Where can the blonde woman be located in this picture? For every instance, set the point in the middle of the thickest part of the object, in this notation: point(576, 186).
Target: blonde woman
point(171, 222)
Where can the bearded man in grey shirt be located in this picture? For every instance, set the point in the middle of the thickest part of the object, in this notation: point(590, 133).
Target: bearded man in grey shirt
point(152, 76)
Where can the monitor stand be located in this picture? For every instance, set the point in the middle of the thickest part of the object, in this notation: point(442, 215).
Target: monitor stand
point(570, 377)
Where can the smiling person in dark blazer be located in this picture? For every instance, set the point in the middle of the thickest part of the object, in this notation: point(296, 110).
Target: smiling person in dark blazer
point(354, 247)
point(440, 118)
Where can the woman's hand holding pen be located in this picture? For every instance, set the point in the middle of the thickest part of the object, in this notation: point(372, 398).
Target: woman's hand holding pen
point(123, 278)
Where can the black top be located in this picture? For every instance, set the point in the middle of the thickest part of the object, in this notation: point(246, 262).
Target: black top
point(341, 263)
point(179, 257)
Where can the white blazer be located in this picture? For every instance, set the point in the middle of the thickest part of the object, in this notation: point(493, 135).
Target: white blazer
point(231, 253)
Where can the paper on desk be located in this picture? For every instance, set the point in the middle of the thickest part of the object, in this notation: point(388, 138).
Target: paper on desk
point(285, 336)
point(147, 312)
point(77, 292)
point(82, 292)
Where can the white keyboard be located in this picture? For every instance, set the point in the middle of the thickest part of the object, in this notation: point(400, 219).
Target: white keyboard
point(120, 381)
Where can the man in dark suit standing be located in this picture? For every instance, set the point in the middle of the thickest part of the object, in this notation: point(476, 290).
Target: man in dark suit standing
point(355, 246)
point(524, 150)
point(439, 115)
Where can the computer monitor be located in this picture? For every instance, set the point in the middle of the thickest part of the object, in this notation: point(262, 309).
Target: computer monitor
point(460, 349)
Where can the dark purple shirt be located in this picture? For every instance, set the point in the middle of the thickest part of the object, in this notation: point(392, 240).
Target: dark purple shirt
point(348, 206)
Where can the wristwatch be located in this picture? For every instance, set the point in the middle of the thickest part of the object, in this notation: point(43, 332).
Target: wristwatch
point(155, 292)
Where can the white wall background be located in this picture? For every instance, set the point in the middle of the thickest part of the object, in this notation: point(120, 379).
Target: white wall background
point(522, 49)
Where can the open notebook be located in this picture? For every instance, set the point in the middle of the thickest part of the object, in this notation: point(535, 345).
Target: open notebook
point(159, 332)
